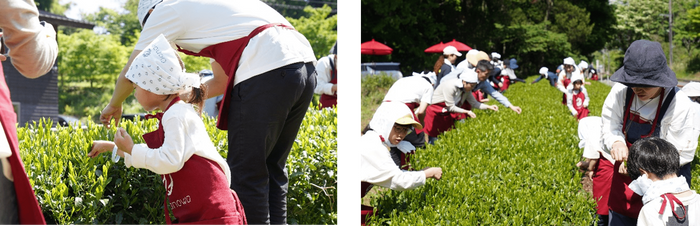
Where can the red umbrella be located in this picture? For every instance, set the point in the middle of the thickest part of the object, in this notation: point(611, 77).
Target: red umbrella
point(460, 46)
point(375, 48)
point(437, 48)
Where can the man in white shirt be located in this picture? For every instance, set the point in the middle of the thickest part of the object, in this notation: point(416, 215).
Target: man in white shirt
point(267, 89)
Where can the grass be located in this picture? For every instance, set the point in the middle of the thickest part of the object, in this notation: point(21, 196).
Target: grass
point(373, 90)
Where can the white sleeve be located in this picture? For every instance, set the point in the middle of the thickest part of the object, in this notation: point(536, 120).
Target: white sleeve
point(427, 95)
point(323, 77)
point(170, 157)
point(612, 114)
point(163, 20)
point(378, 168)
point(569, 100)
point(587, 100)
point(649, 215)
point(560, 82)
point(33, 48)
point(678, 128)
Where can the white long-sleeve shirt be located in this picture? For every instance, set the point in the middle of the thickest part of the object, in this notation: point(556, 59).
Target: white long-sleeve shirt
point(185, 135)
point(563, 75)
point(414, 89)
point(323, 75)
point(589, 130)
point(677, 126)
point(451, 92)
point(378, 168)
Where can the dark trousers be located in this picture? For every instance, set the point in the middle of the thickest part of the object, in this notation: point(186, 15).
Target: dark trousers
point(685, 172)
point(264, 118)
point(8, 200)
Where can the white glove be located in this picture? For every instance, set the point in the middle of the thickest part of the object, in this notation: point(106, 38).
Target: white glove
point(405, 147)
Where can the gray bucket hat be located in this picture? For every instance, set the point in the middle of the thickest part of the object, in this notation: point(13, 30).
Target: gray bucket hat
point(645, 65)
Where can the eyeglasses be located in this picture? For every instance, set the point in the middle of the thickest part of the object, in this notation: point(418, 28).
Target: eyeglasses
point(402, 129)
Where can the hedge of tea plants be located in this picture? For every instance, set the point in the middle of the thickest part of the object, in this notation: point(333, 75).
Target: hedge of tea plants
point(503, 168)
point(75, 189)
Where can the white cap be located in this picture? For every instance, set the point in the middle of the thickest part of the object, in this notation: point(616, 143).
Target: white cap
point(495, 55)
point(144, 7)
point(569, 61)
point(449, 50)
point(157, 69)
point(469, 76)
point(544, 70)
point(692, 89)
point(583, 65)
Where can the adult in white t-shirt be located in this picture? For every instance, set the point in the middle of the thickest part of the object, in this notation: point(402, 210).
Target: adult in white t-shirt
point(267, 89)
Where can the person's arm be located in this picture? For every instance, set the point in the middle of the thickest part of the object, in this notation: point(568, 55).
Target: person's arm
point(450, 96)
point(486, 88)
point(168, 158)
point(33, 47)
point(587, 99)
point(560, 82)
point(569, 102)
point(612, 117)
point(377, 167)
point(679, 129)
point(122, 90)
point(217, 85)
point(323, 77)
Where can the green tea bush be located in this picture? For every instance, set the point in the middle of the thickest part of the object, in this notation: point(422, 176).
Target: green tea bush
point(74, 189)
point(502, 168)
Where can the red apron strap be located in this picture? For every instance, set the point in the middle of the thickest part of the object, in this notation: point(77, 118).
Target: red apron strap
point(671, 200)
point(228, 54)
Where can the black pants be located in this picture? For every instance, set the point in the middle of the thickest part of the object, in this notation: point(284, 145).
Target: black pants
point(265, 115)
point(8, 200)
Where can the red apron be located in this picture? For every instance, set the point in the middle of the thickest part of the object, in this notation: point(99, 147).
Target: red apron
point(228, 54)
point(566, 83)
point(622, 199)
point(577, 102)
point(438, 122)
point(505, 80)
point(28, 207)
point(198, 193)
point(601, 184)
point(365, 211)
point(328, 101)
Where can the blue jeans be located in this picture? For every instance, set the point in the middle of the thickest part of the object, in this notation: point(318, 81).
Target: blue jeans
point(616, 219)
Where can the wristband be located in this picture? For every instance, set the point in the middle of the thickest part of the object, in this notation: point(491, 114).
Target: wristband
point(115, 157)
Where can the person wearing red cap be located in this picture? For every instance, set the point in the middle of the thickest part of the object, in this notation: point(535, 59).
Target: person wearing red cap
point(269, 84)
point(644, 102)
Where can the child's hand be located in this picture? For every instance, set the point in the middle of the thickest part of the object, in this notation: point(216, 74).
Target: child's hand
point(99, 147)
point(123, 140)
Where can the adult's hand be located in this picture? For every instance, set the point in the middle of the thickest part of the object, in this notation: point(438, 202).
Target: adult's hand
point(516, 109)
point(433, 172)
point(470, 114)
point(492, 107)
point(111, 112)
point(619, 151)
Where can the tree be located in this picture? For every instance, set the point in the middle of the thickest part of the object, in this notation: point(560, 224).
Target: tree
point(638, 19)
point(318, 28)
point(89, 57)
point(125, 25)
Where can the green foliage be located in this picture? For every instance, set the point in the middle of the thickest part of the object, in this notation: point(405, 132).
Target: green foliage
point(639, 19)
point(502, 168)
point(75, 189)
point(318, 28)
point(374, 88)
point(125, 25)
point(88, 57)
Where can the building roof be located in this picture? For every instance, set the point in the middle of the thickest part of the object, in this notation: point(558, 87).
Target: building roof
point(64, 21)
